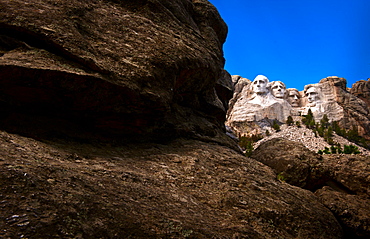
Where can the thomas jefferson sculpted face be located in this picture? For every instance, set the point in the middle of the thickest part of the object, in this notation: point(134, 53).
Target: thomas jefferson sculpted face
point(278, 89)
point(259, 85)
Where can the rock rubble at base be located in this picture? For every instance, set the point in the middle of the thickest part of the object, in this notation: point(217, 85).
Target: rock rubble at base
point(307, 138)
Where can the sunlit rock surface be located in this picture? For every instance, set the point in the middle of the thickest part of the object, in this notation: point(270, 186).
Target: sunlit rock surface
point(255, 105)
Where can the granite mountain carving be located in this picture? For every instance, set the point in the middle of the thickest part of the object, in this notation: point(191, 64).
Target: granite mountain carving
point(250, 113)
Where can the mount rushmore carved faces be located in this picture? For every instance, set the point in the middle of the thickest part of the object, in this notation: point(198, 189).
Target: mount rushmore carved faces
point(294, 98)
point(262, 99)
point(278, 89)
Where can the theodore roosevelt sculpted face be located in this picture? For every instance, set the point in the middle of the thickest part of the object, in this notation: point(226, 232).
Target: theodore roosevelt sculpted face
point(294, 97)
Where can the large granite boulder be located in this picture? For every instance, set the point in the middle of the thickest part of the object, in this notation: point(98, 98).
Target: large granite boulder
point(183, 189)
point(352, 211)
point(293, 163)
point(116, 68)
point(341, 182)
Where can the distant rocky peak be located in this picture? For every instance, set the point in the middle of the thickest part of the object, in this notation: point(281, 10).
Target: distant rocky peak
point(361, 89)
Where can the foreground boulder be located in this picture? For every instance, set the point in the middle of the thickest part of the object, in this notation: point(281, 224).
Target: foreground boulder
point(341, 182)
point(112, 68)
point(185, 189)
point(352, 211)
point(293, 163)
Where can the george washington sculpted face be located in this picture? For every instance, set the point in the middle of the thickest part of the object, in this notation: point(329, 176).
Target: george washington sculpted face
point(259, 84)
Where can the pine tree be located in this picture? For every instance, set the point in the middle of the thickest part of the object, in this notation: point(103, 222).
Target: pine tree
point(324, 121)
point(328, 135)
point(352, 134)
point(309, 120)
point(276, 126)
point(249, 149)
point(333, 149)
point(290, 120)
point(337, 129)
point(326, 150)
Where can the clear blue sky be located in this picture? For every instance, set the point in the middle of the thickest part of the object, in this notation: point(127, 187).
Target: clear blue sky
point(297, 41)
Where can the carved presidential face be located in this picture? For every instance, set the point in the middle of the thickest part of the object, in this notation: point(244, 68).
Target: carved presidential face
point(312, 95)
point(294, 98)
point(278, 89)
point(259, 85)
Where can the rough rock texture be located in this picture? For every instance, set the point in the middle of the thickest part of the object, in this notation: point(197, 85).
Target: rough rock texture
point(361, 89)
point(341, 182)
point(75, 72)
point(293, 162)
point(238, 85)
point(118, 68)
point(350, 201)
point(352, 211)
point(185, 189)
point(356, 110)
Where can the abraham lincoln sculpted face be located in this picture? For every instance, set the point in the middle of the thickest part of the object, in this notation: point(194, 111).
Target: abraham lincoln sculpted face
point(312, 95)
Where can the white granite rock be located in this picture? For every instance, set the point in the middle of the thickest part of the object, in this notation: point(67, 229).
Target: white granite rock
point(257, 104)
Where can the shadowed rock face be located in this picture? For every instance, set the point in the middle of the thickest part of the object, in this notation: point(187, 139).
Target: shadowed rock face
point(183, 189)
point(361, 89)
point(120, 68)
point(340, 182)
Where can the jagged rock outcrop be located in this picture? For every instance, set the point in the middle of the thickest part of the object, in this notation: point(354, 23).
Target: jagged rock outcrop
point(356, 110)
point(341, 182)
point(361, 89)
point(251, 112)
point(117, 68)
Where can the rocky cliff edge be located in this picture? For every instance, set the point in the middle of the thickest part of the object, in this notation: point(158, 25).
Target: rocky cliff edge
point(119, 69)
